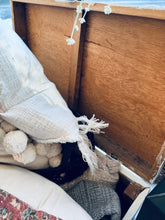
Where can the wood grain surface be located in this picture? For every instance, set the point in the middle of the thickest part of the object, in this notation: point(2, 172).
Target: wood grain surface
point(45, 30)
point(47, 34)
point(130, 10)
point(128, 158)
point(123, 80)
point(19, 19)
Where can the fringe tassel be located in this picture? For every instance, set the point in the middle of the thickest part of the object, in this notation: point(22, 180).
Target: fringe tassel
point(88, 154)
point(89, 125)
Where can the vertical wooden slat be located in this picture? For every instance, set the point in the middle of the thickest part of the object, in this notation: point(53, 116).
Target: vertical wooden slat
point(19, 19)
point(123, 80)
point(75, 67)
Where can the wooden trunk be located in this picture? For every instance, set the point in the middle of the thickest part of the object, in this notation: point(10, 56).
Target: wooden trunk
point(115, 70)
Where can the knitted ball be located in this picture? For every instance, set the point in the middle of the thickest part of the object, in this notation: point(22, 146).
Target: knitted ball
point(55, 161)
point(42, 149)
point(2, 135)
point(54, 150)
point(7, 126)
point(27, 156)
point(15, 142)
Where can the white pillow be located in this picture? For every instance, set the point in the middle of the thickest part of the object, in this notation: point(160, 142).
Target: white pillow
point(40, 193)
point(28, 99)
point(32, 103)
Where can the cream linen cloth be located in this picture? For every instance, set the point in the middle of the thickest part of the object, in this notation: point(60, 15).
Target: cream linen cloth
point(32, 103)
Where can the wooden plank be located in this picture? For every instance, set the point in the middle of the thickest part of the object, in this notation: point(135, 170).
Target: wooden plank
point(140, 12)
point(158, 169)
point(47, 40)
point(19, 19)
point(134, 11)
point(123, 80)
point(129, 159)
point(75, 66)
point(133, 190)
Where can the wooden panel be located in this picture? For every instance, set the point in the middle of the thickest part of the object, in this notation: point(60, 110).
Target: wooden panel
point(123, 80)
point(75, 67)
point(136, 11)
point(47, 39)
point(133, 190)
point(45, 33)
point(129, 159)
point(19, 19)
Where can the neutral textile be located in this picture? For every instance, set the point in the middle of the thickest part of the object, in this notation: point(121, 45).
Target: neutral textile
point(32, 103)
point(97, 199)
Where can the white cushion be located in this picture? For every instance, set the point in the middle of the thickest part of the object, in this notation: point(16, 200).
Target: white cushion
point(32, 103)
point(28, 99)
point(40, 193)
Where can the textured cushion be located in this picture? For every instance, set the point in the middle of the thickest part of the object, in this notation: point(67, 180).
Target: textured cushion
point(28, 99)
point(97, 199)
point(40, 193)
point(107, 173)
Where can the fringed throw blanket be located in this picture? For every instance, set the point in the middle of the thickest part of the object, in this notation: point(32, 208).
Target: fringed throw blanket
point(32, 103)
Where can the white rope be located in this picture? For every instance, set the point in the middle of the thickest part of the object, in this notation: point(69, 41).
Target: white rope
point(91, 125)
point(88, 154)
